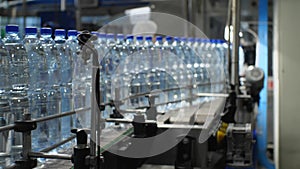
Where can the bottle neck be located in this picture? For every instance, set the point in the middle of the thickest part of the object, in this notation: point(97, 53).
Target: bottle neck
point(60, 39)
point(120, 40)
point(110, 41)
point(30, 36)
point(129, 41)
point(159, 43)
point(148, 43)
point(168, 43)
point(46, 38)
point(12, 37)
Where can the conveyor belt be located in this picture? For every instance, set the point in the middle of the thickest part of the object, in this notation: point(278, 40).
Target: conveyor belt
point(111, 136)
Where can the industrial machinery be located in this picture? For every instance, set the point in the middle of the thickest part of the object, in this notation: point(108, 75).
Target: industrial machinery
point(210, 129)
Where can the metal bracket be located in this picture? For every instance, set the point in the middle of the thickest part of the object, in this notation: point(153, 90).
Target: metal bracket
point(239, 145)
point(25, 126)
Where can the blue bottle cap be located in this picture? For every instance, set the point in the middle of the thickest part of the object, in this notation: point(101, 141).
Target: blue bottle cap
point(120, 36)
point(199, 40)
point(176, 39)
point(110, 35)
point(130, 37)
point(206, 41)
point(213, 41)
point(72, 32)
point(95, 33)
point(148, 38)
point(46, 31)
point(168, 38)
point(140, 38)
point(12, 28)
point(60, 32)
point(159, 38)
point(191, 39)
point(184, 39)
point(102, 35)
point(31, 30)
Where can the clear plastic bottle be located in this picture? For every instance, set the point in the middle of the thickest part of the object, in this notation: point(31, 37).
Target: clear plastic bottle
point(172, 66)
point(54, 52)
point(78, 86)
point(110, 60)
point(31, 45)
point(65, 58)
point(137, 69)
point(19, 75)
point(207, 57)
point(37, 91)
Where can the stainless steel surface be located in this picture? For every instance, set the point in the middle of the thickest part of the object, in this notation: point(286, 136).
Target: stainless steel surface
point(49, 156)
point(286, 83)
point(236, 11)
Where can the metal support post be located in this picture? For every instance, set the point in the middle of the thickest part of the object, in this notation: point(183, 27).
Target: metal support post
point(236, 10)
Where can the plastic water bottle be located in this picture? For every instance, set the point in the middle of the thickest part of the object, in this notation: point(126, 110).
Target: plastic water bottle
point(221, 66)
point(129, 49)
point(31, 44)
point(65, 58)
point(137, 68)
point(78, 87)
point(224, 48)
point(215, 68)
point(37, 93)
point(110, 60)
point(182, 68)
point(19, 75)
point(54, 82)
point(160, 51)
point(206, 55)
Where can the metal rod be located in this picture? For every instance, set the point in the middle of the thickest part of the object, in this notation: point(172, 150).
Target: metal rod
point(171, 89)
point(179, 126)
point(7, 128)
point(114, 120)
point(95, 112)
point(58, 144)
point(26, 136)
point(64, 114)
point(49, 156)
point(212, 95)
point(12, 126)
point(236, 43)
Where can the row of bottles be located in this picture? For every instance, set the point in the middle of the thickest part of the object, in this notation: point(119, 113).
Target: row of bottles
point(173, 68)
point(45, 76)
point(36, 77)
